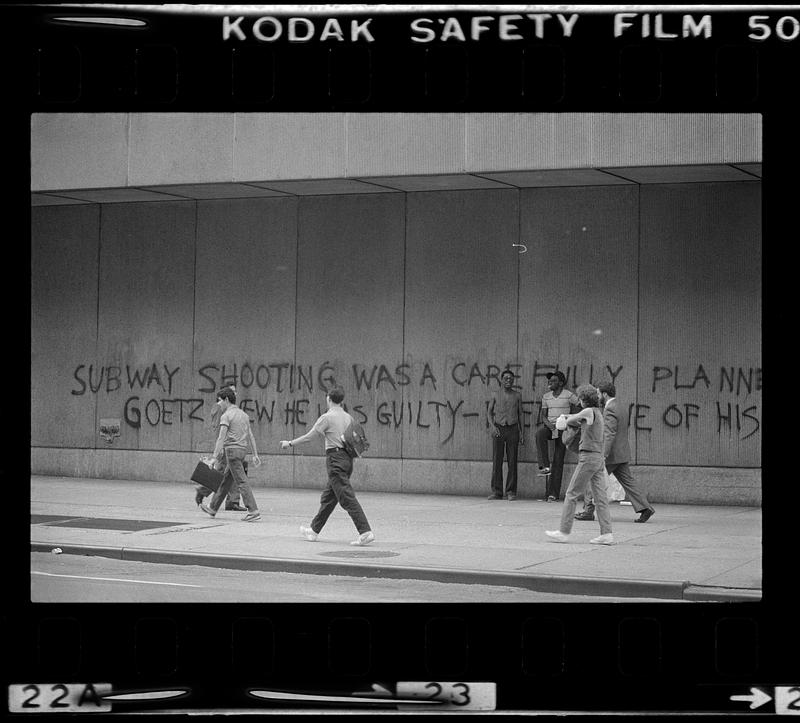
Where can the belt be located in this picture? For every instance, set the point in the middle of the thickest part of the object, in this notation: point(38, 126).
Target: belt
point(515, 424)
point(334, 449)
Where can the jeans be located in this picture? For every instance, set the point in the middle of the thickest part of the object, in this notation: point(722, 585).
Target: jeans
point(339, 491)
point(591, 470)
point(507, 442)
point(543, 437)
point(234, 477)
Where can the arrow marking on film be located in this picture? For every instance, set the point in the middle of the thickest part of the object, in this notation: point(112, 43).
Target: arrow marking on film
point(757, 698)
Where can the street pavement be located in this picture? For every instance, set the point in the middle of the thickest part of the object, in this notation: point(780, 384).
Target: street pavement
point(684, 552)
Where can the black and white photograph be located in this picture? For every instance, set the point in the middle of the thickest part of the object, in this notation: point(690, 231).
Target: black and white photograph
point(463, 280)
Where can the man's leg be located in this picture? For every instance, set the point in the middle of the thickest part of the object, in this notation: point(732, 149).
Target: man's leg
point(327, 503)
point(543, 435)
point(201, 493)
point(235, 459)
point(498, 445)
point(512, 450)
point(588, 506)
point(557, 470)
point(222, 490)
point(636, 494)
point(340, 467)
point(580, 479)
point(233, 500)
point(598, 486)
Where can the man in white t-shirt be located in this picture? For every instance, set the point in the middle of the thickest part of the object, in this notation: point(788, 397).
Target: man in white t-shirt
point(555, 402)
point(331, 426)
point(235, 436)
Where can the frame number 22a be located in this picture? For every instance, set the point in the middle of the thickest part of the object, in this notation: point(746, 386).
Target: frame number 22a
point(58, 698)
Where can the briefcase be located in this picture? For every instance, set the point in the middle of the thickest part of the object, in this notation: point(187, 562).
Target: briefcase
point(206, 476)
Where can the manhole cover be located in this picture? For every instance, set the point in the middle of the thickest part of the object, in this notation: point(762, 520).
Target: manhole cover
point(359, 553)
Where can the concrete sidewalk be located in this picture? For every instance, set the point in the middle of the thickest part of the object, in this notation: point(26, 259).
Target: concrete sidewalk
point(685, 552)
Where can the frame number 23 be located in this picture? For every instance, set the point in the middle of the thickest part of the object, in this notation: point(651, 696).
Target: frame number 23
point(450, 696)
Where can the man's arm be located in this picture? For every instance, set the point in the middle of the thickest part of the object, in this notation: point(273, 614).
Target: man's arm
point(544, 415)
point(318, 428)
point(495, 430)
point(574, 403)
point(584, 416)
point(223, 430)
point(521, 420)
point(256, 458)
point(609, 429)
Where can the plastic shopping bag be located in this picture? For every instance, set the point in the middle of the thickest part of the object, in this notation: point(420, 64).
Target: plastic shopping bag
point(614, 490)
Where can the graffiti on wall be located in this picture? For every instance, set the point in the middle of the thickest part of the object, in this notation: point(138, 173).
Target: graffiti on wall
point(458, 396)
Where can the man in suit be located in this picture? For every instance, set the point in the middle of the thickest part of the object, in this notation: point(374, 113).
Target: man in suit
point(617, 452)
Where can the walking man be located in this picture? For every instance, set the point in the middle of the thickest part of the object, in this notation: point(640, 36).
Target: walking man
point(617, 453)
point(331, 426)
point(232, 444)
point(232, 501)
point(589, 471)
point(506, 437)
point(555, 402)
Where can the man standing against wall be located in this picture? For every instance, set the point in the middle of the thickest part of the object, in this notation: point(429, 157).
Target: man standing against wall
point(507, 435)
point(331, 426)
point(233, 498)
point(555, 402)
point(234, 436)
point(617, 452)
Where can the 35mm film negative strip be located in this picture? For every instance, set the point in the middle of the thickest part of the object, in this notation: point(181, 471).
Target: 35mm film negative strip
point(577, 657)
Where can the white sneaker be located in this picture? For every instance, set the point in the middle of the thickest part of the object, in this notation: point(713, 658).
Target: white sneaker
point(364, 539)
point(557, 535)
point(308, 533)
point(607, 539)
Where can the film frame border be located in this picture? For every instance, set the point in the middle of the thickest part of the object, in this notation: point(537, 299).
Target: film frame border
point(745, 633)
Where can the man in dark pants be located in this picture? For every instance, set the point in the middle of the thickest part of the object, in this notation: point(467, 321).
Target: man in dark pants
point(617, 453)
point(555, 402)
point(506, 437)
point(332, 426)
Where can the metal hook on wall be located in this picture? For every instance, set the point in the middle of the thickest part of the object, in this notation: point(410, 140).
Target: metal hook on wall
point(523, 246)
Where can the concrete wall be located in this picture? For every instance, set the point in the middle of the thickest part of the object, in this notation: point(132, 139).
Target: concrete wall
point(414, 301)
point(96, 150)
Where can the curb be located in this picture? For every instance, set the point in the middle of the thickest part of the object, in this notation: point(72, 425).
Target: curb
point(612, 587)
point(702, 593)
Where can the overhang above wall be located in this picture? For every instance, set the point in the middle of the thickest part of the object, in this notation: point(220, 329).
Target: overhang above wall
point(205, 191)
point(45, 199)
point(566, 177)
point(390, 184)
point(754, 168)
point(116, 195)
point(681, 174)
point(322, 187)
point(452, 182)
